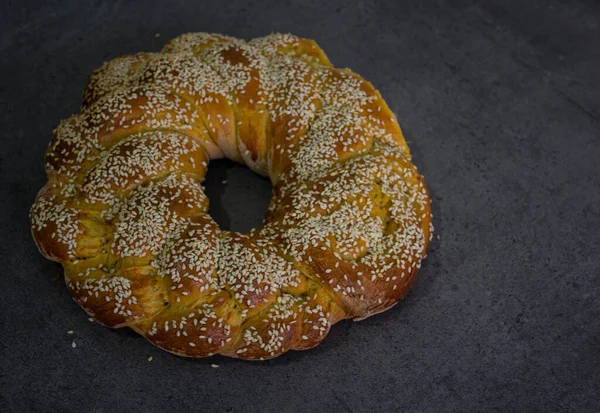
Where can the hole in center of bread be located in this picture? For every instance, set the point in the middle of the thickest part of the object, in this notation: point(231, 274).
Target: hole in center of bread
point(238, 197)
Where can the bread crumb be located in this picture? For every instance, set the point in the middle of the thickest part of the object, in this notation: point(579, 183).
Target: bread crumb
point(214, 366)
point(70, 332)
point(150, 358)
point(437, 236)
point(73, 344)
point(157, 35)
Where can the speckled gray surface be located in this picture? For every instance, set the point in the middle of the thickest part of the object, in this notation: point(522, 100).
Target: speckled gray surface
point(500, 101)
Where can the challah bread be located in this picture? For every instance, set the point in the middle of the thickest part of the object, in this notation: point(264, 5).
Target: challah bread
point(124, 211)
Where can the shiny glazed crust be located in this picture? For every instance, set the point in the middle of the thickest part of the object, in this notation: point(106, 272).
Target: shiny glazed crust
point(124, 211)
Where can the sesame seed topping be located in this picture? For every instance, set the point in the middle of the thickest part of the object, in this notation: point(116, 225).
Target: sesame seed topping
point(125, 212)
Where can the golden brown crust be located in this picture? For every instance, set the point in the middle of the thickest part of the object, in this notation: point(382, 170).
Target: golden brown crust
point(123, 211)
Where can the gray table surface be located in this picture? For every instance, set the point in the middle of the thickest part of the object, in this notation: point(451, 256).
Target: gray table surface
point(500, 102)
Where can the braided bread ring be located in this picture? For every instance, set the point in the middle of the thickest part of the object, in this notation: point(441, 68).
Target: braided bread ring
point(124, 212)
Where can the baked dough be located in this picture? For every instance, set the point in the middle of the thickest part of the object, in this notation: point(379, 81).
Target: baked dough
point(125, 214)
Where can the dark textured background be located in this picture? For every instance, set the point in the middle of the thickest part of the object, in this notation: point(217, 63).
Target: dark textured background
point(500, 102)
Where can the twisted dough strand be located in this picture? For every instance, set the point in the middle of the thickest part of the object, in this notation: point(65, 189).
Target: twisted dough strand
point(124, 213)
